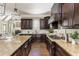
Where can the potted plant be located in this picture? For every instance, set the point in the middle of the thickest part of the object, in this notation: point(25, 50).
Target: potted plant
point(74, 37)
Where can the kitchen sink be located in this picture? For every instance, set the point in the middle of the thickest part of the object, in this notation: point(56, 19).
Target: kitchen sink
point(54, 37)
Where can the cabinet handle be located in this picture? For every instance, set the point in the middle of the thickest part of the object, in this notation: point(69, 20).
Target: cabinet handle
point(25, 46)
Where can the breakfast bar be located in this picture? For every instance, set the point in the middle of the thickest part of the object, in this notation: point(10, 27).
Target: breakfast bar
point(70, 49)
point(8, 48)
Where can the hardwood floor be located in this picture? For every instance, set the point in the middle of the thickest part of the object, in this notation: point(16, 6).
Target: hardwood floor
point(39, 49)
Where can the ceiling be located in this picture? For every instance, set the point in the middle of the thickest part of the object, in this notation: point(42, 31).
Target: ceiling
point(27, 10)
point(31, 8)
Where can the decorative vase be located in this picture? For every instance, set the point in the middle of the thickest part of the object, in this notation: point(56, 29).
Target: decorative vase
point(77, 41)
point(73, 42)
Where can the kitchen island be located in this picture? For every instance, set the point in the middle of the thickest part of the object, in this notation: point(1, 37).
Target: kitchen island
point(63, 48)
point(8, 48)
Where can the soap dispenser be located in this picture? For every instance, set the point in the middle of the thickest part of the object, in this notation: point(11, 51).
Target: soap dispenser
point(66, 36)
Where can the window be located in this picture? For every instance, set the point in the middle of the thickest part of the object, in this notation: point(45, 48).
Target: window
point(2, 8)
point(26, 23)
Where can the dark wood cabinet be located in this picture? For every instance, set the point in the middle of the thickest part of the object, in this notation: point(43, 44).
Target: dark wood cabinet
point(26, 23)
point(49, 46)
point(60, 51)
point(67, 15)
point(18, 52)
point(44, 23)
point(70, 14)
point(39, 37)
point(24, 49)
point(76, 16)
point(43, 38)
point(54, 49)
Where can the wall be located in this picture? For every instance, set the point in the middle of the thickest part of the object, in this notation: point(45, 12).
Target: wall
point(36, 24)
point(6, 27)
point(1, 27)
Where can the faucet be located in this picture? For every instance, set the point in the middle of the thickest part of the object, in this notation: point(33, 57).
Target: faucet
point(28, 32)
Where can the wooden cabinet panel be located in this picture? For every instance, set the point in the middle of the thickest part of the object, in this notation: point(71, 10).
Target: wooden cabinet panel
point(76, 16)
point(66, 11)
point(60, 51)
point(54, 49)
point(44, 23)
point(26, 23)
point(50, 47)
point(23, 50)
point(67, 7)
point(43, 37)
point(76, 8)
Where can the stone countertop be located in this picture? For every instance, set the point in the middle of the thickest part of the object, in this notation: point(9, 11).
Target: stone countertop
point(73, 50)
point(7, 48)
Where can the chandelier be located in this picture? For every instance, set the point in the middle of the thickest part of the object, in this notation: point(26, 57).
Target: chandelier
point(15, 14)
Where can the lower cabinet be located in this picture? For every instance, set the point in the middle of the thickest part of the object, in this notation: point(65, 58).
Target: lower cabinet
point(24, 49)
point(54, 49)
point(43, 38)
point(60, 51)
point(17, 53)
point(50, 47)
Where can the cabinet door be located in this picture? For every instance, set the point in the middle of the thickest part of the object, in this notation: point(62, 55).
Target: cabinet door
point(23, 50)
point(60, 51)
point(67, 7)
point(76, 16)
point(26, 23)
point(44, 23)
point(67, 15)
point(49, 44)
point(43, 38)
point(57, 53)
point(26, 48)
point(18, 52)
point(53, 49)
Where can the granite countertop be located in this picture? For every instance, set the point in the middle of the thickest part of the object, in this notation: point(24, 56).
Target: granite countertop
point(73, 50)
point(7, 48)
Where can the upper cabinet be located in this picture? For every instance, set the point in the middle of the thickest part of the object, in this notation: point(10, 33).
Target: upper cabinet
point(62, 9)
point(26, 23)
point(67, 10)
point(44, 23)
point(67, 7)
point(67, 14)
point(76, 15)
